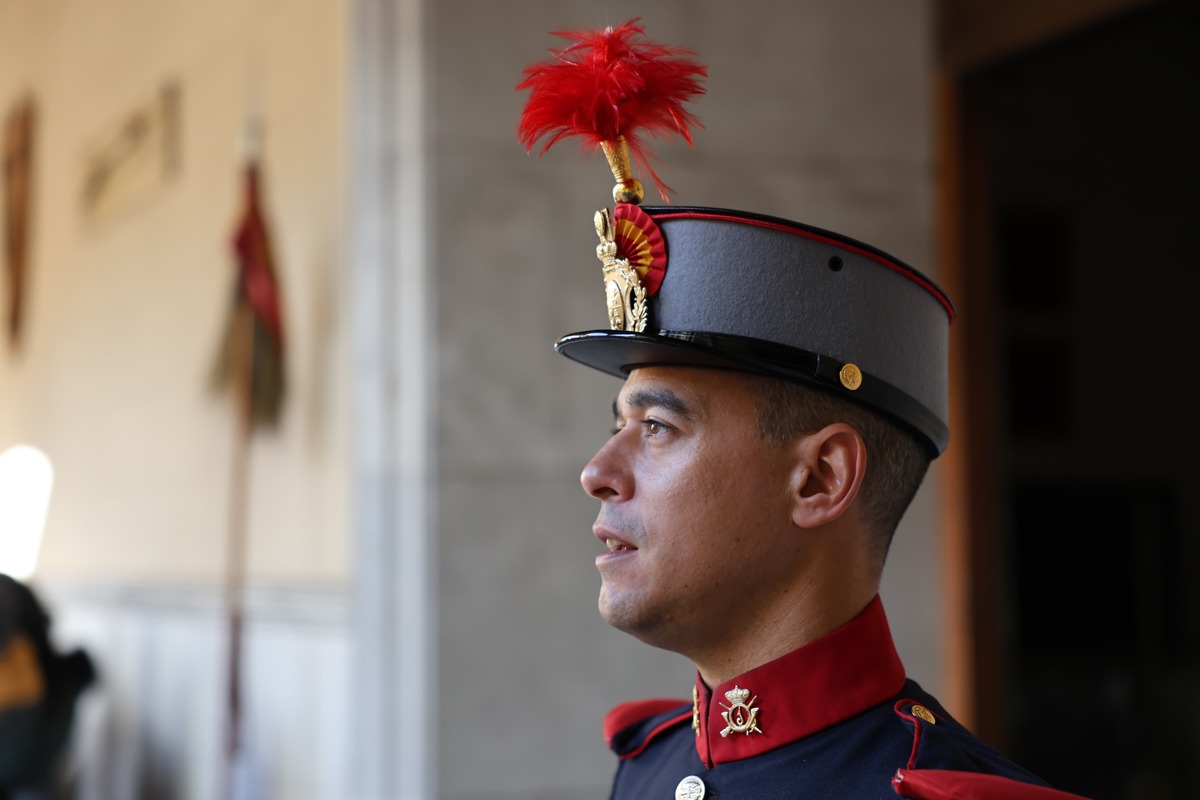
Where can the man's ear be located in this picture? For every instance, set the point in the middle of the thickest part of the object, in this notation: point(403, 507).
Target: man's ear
point(828, 473)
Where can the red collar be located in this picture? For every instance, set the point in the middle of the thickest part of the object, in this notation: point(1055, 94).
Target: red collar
point(839, 675)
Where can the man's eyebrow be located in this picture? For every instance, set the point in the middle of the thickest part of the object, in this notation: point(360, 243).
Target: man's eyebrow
point(641, 399)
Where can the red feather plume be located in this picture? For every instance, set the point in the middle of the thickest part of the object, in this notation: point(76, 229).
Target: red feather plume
point(610, 84)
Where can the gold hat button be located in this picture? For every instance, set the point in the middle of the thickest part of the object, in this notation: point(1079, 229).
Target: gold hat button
point(851, 377)
point(690, 788)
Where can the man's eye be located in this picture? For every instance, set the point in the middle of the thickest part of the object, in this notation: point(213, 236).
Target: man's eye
point(653, 427)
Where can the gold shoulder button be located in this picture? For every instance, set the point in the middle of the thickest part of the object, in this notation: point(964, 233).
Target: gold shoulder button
point(924, 713)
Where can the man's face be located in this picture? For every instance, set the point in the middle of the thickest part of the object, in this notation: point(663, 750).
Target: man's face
point(695, 509)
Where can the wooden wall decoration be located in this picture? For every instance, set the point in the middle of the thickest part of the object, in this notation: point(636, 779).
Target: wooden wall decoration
point(133, 157)
point(17, 176)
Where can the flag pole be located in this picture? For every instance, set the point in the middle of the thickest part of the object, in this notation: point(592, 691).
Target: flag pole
point(242, 355)
point(241, 365)
point(251, 367)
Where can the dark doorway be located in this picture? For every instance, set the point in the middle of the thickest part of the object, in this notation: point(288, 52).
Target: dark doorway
point(1091, 206)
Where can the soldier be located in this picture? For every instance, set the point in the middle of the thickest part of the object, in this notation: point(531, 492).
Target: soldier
point(785, 390)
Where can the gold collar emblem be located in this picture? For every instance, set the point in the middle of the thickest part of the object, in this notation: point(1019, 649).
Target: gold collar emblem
point(740, 716)
point(623, 289)
point(695, 710)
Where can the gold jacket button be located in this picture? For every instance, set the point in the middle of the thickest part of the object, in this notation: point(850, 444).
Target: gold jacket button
point(690, 788)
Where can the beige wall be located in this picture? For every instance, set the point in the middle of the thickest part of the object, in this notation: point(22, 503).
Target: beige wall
point(124, 316)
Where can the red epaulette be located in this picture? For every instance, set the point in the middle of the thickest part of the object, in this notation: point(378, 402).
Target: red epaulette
point(628, 715)
point(945, 784)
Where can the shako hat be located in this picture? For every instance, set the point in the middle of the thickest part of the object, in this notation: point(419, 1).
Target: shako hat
point(729, 289)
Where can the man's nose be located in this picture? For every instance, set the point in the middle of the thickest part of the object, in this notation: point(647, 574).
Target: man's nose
point(606, 476)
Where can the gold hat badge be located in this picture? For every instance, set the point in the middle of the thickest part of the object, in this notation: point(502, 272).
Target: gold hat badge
point(610, 88)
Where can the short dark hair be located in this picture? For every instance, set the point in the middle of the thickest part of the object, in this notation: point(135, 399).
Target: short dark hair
point(897, 459)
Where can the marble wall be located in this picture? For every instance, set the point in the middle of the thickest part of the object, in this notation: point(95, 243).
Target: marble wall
point(153, 725)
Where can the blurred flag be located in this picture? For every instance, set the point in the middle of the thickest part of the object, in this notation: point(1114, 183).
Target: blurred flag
point(251, 358)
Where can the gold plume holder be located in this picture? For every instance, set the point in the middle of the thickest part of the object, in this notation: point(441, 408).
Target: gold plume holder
point(628, 189)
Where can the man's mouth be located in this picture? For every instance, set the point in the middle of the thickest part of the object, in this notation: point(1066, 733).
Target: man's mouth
point(616, 546)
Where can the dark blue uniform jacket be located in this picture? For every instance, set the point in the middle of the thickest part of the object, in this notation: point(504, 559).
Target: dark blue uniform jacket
point(835, 719)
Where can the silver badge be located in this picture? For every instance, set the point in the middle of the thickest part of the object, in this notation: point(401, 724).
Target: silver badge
point(690, 788)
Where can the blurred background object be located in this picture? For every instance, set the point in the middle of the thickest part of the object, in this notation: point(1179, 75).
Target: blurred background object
point(16, 162)
point(1065, 210)
point(38, 685)
point(26, 482)
point(38, 690)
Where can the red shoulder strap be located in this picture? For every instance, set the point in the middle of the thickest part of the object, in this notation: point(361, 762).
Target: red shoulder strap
point(945, 784)
point(634, 712)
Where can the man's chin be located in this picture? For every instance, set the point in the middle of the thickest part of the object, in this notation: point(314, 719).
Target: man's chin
point(618, 609)
point(629, 614)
